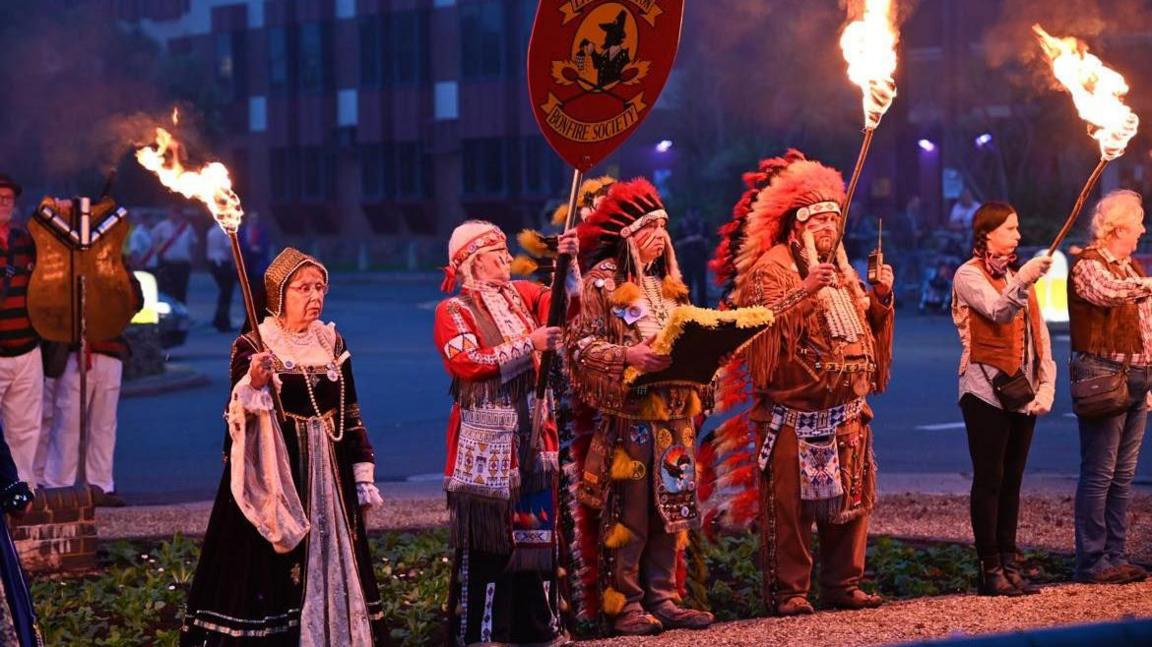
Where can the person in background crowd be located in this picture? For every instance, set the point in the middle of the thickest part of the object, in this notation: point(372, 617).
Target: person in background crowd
point(21, 369)
point(1004, 336)
point(223, 270)
point(62, 455)
point(960, 219)
point(1110, 312)
point(255, 244)
point(173, 241)
point(138, 248)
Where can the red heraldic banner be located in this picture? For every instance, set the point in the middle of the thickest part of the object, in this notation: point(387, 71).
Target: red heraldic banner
point(595, 67)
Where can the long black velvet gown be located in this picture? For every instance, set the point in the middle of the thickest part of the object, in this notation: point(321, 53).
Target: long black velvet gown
point(245, 593)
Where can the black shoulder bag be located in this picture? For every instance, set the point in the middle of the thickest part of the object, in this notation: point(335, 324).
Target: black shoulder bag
point(1101, 396)
point(1013, 391)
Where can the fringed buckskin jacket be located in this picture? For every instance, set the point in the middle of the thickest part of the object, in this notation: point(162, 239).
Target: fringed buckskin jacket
point(826, 354)
point(616, 314)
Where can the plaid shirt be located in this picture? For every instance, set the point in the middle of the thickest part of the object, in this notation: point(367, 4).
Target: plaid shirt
point(1099, 287)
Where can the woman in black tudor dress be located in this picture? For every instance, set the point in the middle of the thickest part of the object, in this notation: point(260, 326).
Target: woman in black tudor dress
point(285, 559)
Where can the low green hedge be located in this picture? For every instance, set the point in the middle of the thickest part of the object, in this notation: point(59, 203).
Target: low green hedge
point(137, 596)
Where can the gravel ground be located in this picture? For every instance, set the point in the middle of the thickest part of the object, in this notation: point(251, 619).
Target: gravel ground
point(1046, 522)
point(922, 619)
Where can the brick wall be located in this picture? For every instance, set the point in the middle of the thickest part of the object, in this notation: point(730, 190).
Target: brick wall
point(59, 532)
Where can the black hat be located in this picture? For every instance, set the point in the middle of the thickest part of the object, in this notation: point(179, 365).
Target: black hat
point(8, 183)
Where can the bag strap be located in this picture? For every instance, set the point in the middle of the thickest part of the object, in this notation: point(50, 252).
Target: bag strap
point(986, 376)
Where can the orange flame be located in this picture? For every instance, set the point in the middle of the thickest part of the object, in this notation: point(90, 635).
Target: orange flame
point(210, 185)
point(869, 47)
point(175, 116)
point(1096, 90)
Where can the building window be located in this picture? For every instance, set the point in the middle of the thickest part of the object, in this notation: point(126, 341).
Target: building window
point(371, 172)
point(484, 163)
point(257, 114)
point(446, 100)
point(314, 57)
point(411, 170)
point(278, 60)
point(377, 172)
point(371, 51)
point(394, 48)
point(317, 171)
point(284, 175)
point(408, 52)
point(482, 40)
point(231, 64)
point(255, 14)
point(347, 107)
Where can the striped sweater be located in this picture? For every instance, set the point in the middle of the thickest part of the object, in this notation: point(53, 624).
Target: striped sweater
point(17, 257)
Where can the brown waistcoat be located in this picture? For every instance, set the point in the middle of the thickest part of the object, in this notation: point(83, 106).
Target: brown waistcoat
point(1101, 330)
point(1002, 344)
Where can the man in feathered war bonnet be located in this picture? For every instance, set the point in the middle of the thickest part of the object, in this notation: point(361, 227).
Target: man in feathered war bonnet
point(810, 374)
point(631, 285)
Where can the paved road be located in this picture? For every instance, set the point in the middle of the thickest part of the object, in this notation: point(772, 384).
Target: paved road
point(169, 445)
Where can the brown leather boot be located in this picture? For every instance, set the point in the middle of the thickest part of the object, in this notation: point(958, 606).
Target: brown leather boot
point(992, 580)
point(674, 617)
point(856, 599)
point(795, 606)
point(1014, 576)
point(636, 623)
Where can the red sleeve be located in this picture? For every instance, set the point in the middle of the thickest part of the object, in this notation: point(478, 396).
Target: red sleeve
point(464, 356)
point(537, 297)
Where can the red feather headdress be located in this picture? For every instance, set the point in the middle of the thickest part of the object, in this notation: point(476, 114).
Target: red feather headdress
point(606, 229)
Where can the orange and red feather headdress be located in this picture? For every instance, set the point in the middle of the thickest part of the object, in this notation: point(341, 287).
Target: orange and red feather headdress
point(763, 216)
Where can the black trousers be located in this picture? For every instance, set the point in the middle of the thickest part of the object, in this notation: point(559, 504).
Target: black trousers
point(225, 276)
point(998, 443)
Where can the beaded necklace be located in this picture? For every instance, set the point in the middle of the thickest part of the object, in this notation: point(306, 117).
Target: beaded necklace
point(653, 292)
point(302, 339)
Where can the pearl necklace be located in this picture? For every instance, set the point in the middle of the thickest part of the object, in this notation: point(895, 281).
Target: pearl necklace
point(316, 407)
point(302, 339)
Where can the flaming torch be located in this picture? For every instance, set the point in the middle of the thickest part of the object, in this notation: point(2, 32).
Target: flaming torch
point(210, 185)
point(869, 47)
point(1097, 92)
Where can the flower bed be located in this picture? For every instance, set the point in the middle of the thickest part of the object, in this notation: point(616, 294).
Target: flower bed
point(137, 595)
